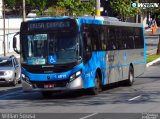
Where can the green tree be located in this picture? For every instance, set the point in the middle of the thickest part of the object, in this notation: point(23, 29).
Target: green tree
point(76, 7)
point(10, 3)
point(56, 11)
point(67, 7)
point(40, 5)
point(123, 8)
point(16, 6)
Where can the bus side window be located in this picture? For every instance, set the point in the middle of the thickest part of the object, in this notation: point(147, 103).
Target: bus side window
point(112, 40)
point(87, 42)
point(138, 40)
point(131, 42)
point(102, 38)
point(119, 40)
point(95, 42)
point(128, 40)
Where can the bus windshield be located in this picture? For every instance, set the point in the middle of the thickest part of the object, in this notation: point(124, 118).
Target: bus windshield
point(50, 48)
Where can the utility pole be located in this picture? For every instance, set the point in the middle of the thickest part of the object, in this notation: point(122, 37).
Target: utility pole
point(24, 11)
point(136, 18)
point(158, 47)
point(98, 13)
point(4, 28)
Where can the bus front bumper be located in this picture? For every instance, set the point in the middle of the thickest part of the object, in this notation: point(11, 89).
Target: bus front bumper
point(73, 85)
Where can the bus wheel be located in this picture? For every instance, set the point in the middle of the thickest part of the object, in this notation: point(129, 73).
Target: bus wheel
point(130, 80)
point(98, 86)
point(47, 94)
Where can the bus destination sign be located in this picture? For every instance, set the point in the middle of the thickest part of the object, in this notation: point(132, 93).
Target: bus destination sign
point(48, 25)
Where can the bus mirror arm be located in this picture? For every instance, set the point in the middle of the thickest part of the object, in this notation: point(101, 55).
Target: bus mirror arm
point(15, 43)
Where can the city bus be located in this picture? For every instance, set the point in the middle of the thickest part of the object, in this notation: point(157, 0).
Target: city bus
point(67, 53)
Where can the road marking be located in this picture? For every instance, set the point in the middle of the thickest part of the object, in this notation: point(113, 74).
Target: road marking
point(89, 116)
point(134, 98)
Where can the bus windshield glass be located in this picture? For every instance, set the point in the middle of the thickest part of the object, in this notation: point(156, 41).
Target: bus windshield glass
point(50, 48)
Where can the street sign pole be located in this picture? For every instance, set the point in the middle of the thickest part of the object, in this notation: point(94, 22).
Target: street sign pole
point(98, 13)
point(24, 11)
point(4, 27)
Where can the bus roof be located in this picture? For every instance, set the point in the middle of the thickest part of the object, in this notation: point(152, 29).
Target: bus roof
point(48, 18)
point(91, 20)
point(106, 20)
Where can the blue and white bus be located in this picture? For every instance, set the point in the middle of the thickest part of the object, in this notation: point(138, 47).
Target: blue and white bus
point(66, 53)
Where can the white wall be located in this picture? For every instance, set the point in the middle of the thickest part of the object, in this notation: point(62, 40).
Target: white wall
point(12, 25)
point(1, 4)
point(145, 22)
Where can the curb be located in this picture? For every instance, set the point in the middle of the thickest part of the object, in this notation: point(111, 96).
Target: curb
point(153, 62)
point(11, 53)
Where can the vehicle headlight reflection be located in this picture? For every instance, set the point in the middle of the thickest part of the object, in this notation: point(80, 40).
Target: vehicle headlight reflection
point(74, 76)
point(8, 73)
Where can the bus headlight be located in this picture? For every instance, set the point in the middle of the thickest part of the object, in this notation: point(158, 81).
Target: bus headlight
point(75, 75)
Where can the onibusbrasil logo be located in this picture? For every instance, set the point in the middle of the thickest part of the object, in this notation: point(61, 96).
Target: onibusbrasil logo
point(144, 5)
point(133, 4)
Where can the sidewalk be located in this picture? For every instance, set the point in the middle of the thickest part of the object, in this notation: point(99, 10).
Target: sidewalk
point(153, 62)
point(11, 53)
point(148, 32)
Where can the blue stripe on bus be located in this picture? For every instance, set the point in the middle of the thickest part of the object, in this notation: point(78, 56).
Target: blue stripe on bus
point(89, 21)
point(145, 49)
point(124, 65)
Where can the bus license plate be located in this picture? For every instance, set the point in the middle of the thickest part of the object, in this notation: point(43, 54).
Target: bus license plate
point(49, 85)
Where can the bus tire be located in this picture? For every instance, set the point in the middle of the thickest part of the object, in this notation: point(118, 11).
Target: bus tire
point(46, 94)
point(130, 79)
point(98, 86)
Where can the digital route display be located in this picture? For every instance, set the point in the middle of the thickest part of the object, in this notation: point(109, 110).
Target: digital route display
point(48, 25)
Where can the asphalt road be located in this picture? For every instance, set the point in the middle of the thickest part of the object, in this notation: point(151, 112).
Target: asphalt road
point(143, 96)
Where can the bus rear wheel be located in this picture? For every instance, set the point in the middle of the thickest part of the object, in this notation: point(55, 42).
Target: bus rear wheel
point(98, 86)
point(47, 94)
point(130, 79)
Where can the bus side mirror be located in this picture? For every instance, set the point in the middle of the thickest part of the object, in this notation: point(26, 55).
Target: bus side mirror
point(15, 43)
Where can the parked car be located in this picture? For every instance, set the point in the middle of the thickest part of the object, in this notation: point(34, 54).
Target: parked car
point(10, 70)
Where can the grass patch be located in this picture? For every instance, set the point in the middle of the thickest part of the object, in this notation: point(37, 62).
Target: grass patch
point(152, 57)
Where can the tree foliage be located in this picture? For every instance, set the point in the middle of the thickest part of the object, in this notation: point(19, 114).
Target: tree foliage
point(39, 5)
point(56, 11)
point(69, 7)
point(76, 7)
point(123, 8)
point(16, 6)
